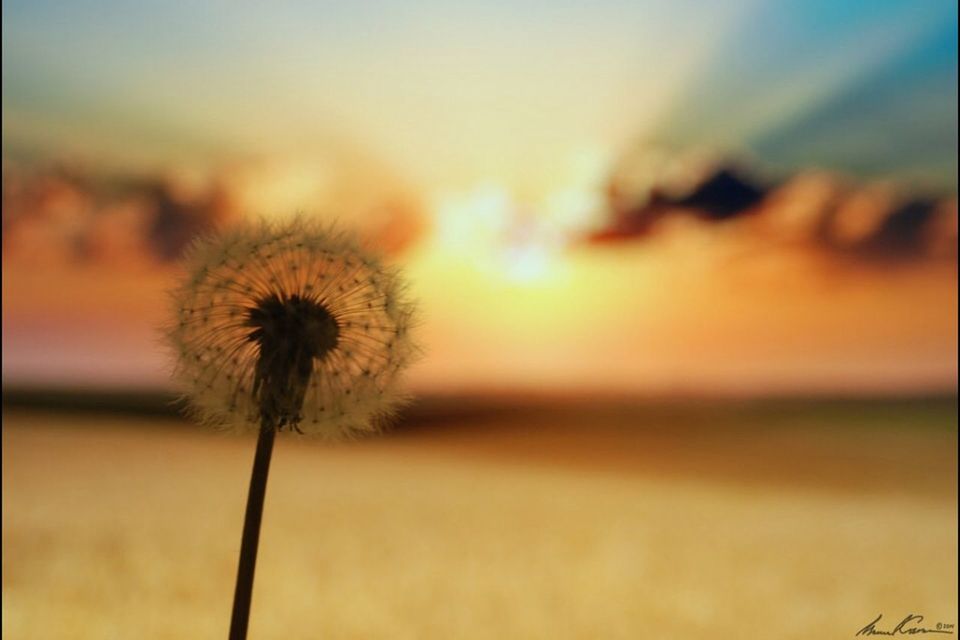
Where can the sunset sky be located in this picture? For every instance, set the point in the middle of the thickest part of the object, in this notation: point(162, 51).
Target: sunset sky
point(478, 140)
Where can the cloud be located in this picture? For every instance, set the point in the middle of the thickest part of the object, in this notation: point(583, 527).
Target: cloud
point(172, 222)
point(915, 229)
point(867, 222)
point(722, 194)
point(68, 213)
point(72, 214)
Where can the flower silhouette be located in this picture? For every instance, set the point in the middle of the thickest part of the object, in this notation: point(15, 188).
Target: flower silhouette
point(287, 325)
point(292, 325)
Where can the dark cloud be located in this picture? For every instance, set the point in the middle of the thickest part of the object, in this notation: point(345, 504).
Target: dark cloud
point(60, 212)
point(722, 195)
point(902, 235)
point(918, 228)
point(174, 222)
point(76, 213)
point(890, 229)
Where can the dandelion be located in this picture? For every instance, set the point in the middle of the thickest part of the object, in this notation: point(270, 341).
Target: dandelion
point(293, 327)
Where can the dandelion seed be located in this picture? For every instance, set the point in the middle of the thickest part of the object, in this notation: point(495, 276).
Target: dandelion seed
point(313, 307)
point(298, 320)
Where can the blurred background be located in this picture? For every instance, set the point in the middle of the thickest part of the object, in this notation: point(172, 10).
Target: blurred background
point(688, 281)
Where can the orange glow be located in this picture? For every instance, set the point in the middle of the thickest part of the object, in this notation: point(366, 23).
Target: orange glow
point(511, 300)
point(513, 297)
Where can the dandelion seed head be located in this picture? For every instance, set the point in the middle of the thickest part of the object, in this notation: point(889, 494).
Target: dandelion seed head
point(292, 323)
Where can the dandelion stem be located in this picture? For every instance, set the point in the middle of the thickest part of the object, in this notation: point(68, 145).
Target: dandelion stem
point(251, 532)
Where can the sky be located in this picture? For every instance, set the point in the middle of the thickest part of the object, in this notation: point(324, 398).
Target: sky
point(509, 91)
point(445, 92)
point(478, 139)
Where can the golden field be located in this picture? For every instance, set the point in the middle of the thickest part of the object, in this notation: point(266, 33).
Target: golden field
point(681, 520)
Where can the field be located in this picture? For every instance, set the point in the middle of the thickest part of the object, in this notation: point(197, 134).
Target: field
point(665, 520)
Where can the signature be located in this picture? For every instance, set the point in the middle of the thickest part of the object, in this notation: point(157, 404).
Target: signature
point(908, 626)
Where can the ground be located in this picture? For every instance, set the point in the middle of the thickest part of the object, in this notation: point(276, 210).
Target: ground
point(773, 521)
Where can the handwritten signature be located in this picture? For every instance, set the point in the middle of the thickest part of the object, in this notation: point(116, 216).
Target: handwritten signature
point(908, 626)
